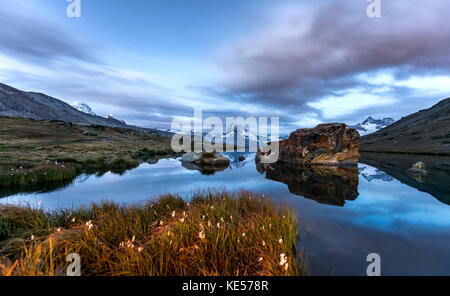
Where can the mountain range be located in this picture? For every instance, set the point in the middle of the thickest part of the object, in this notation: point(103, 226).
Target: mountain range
point(371, 125)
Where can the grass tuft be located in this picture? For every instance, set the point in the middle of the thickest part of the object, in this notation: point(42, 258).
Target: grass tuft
point(216, 234)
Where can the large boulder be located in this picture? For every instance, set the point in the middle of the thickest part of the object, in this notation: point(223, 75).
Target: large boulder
point(326, 144)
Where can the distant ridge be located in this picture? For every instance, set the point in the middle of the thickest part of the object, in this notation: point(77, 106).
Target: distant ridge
point(17, 103)
point(424, 132)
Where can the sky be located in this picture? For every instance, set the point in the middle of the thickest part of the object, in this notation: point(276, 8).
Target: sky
point(308, 62)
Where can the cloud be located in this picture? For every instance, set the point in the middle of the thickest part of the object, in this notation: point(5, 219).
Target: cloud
point(37, 54)
point(34, 38)
point(313, 62)
point(316, 54)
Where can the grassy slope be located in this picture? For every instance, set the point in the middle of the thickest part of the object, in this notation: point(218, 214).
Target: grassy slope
point(216, 234)
point(27, 140)
point(34, 152)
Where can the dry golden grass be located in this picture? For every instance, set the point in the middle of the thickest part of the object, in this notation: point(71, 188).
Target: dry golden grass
point(217, 233)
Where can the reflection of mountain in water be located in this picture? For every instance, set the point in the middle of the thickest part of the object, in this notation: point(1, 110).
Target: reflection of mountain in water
point(235, 162)
point(324, 184)
point(436, 182)
point(370, 173)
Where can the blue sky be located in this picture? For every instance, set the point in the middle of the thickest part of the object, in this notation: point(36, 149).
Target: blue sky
point(307, 62)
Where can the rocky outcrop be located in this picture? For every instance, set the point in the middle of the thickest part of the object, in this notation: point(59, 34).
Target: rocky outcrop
point(326, 144)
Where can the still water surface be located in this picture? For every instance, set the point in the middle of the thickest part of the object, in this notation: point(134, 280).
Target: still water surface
point(344, 215)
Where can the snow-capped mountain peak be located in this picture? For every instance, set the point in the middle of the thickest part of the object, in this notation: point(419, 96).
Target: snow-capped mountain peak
point(371, 125)
point(83, 108)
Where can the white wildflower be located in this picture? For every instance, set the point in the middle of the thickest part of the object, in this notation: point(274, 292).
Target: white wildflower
point(173, 214)
point(283, 259)
point(260, 259)
point(89, 224)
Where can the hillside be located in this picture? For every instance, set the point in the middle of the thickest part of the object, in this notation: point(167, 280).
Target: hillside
point(424, 132)
point(25, 142)
point(17, 103)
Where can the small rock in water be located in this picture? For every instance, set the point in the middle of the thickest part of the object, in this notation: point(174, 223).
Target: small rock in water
point(418, 167)
point(190, 157)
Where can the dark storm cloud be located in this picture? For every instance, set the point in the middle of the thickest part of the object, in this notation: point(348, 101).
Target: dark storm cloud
point(300, 59)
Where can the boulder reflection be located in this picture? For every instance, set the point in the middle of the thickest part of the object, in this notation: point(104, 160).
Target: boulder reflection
point(324, 184)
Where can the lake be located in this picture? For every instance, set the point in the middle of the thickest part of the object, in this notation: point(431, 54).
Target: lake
point(345, 214)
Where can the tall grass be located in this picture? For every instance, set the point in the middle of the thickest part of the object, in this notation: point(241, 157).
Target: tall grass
point(217, 233)
point(59, 172)
point(39, 175)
